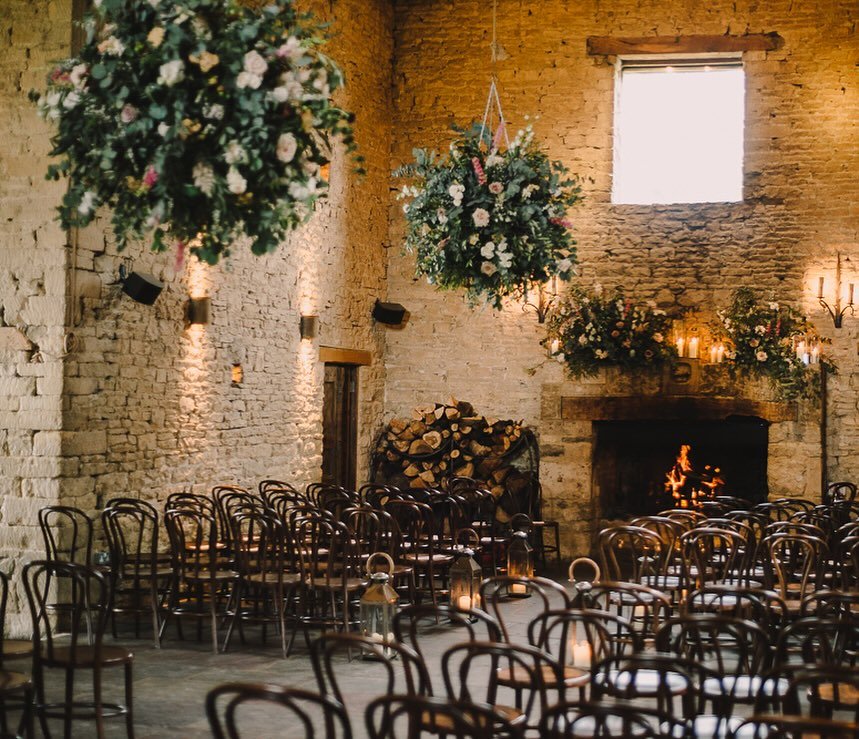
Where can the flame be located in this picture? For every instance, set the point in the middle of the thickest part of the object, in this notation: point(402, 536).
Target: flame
point(688, 487)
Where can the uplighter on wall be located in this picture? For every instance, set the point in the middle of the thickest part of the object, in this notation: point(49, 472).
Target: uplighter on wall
point(197, 311)
point(308, 326)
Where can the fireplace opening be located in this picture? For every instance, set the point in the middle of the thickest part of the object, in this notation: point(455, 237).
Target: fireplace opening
point(632, 458)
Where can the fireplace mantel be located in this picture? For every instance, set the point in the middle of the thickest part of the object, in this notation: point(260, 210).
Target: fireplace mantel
point(673, 408)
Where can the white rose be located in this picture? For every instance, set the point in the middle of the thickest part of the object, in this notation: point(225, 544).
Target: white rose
point(248, 79)
point(214, 111)
point(505, 260)
point(236, 184)
point(128, 114)
point(255, 64)
point(280, 94)
point(760, 330)
point(488, 250)
point(170, 73)
point(163, 129)
point(761, 356)
point(480, 218)
point(291, 49)
point(111, 45)
point(286, 147)
point(488, 269)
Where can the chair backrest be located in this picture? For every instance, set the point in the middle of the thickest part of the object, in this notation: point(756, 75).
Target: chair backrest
point(819, 691)
point(794, 727)
point(86, 593)
point(404, 670)
point(838, 492)
point(267, 486)
point(816, 641)
point(581, 720)
point(131, 528)
point(495, 596)
point(190, 500)
point(632, 553)
point(412, 623)
point(261, 546)
point(326, 549)
point(193, 536)
point(797, 561)
point(474, 671)
point(646, 608)
point(713, 556)
point(230, 706)
point(764, 607)
point(582, 637)
point(400, 717)
point(67, 533)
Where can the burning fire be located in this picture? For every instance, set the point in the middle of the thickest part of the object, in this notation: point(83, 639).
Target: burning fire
point(688, 487)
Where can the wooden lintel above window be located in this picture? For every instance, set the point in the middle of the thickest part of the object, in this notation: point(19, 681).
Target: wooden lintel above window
point(338, 355)
point(615, 45)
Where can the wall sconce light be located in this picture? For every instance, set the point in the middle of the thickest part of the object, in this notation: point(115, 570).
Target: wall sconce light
point(836, 312)
point(237, 375)
point(308, 326)
point(197, 311)
point(391, 314)
point(140, 287)
point(547, 296)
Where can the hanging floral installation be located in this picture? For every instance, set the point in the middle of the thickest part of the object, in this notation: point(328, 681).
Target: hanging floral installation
point(200, 122)
point(773, 340)
point(490, 215)
point(588, 330)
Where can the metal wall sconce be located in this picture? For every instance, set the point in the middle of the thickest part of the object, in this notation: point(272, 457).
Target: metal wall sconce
point(836, 312)
point(140, 287)
point(197, 311)
point(308, 326)
point(546, 297)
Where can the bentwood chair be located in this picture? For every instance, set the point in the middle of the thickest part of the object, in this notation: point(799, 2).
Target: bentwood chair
point(795, 727)
point(413, 717)
point(139, 579)
point(57, 644)
point(476, 671)
point(202, 583)
point(15, 687)
point(240, 710)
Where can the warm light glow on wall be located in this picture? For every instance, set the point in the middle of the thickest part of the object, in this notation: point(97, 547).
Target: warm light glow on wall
point(199, 279)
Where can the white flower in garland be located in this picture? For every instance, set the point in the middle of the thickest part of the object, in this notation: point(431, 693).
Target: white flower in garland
point(487, 251)
point(171, 72)
point(286, 147)
point(236, 184)
point(456, 192)
point(204, 178)
point(235, 154)
point(480, 217)
point(248, 79)
point(488, 269)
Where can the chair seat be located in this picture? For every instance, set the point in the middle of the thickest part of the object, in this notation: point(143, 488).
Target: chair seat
point(422, 559)
point(712, 727)
point(645, 682)
point(519, 677)
point(16, 648)
point(84, 657)
point(743, 687)
point(442, 724)
point(217, 576)
point(12, 682)
point(323, 583)
point(848, 695)
point(271, 578)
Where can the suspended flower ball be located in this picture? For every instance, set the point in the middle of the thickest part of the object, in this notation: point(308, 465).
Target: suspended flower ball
point(488, 221)
point(203, 122)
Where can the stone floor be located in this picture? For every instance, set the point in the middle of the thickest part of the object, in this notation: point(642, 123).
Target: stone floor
point(171, 683)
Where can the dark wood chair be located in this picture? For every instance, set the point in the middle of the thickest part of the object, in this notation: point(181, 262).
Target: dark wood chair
point(138, 575)
point(580, 720)
point(202, 583)
point(16, 688)
point(795, 727)
point(239, 710)
point(57, 644)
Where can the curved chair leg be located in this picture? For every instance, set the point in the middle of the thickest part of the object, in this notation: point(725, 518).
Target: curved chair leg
point(129, 701)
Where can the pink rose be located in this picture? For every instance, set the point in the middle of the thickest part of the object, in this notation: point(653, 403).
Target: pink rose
point(496, 188)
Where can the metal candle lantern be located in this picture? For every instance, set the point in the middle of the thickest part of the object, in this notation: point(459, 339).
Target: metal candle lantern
point(465, 578)
point(520, 562)
point(379, 605)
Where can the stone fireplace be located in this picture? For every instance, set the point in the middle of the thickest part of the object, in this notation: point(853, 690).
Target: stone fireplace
point(607, 442)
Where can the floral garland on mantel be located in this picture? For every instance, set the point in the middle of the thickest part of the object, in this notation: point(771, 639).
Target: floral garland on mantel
point(489, 221)
point(772, 340)
point(588, 330)
point(203, 121)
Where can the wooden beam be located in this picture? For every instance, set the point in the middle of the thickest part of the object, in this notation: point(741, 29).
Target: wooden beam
point(338, 355)
point(678, 408)
point(612, 45)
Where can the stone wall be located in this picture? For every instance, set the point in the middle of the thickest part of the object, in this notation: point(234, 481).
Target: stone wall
point(150, 408)
point(32, 285)
point(800, 204)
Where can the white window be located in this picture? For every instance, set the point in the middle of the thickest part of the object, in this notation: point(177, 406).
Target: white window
point(679, 131)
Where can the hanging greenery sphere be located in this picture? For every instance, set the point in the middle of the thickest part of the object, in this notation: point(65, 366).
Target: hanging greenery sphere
point(203, 122)
point(488, 221)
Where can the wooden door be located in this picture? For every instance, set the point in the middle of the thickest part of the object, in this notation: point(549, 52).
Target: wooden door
point(340, 425)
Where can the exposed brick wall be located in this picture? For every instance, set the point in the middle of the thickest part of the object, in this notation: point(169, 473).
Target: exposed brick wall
point(801, 189)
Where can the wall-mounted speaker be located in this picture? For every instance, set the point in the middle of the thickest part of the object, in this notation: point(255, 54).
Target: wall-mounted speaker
point(140, 287)
point(391, 314)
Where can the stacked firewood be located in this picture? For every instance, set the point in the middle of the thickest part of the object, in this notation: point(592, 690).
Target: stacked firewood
point(443, 440)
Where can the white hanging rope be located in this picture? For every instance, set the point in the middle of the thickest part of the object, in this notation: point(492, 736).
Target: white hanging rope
point(493, 96)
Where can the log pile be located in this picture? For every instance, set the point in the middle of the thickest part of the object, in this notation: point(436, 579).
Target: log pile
point(443, 440)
